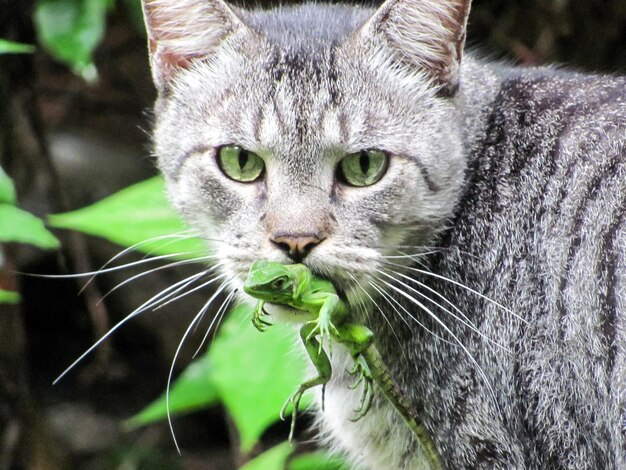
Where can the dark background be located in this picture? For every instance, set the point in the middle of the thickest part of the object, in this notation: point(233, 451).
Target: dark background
point(67, 143)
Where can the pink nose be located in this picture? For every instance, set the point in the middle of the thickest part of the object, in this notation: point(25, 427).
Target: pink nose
point(297, 246)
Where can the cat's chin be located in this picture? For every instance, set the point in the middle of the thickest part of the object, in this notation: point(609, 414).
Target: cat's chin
point(285, 314)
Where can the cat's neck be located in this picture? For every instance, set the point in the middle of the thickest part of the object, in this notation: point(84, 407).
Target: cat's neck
point(480, 83)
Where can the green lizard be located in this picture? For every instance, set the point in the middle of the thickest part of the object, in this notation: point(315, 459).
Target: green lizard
point(326, 317)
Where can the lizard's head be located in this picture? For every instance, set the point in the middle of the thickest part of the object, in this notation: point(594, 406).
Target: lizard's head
point(272, 281)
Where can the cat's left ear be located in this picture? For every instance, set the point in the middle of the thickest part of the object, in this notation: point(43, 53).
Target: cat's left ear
point(424, 34)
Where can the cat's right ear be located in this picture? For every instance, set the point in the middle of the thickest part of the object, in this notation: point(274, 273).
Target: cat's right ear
point(424, 35)
point(180, 31)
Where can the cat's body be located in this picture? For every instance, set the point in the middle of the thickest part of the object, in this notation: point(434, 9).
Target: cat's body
point(516, 176)
point(541, 227)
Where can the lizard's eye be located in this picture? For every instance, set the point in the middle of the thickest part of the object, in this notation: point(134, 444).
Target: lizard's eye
point(279, 283)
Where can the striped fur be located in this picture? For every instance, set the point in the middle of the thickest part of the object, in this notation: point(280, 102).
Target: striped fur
point(490, 258)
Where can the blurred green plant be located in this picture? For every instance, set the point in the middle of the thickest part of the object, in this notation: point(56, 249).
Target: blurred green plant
point(138, 216)
point(19, 226)
point(249, 373)
point(71, 30)
point(11, 47)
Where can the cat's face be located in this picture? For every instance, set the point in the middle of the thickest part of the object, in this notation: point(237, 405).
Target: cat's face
point(299, 109)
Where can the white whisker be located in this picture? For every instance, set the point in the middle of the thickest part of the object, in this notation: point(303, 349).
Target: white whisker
point(463, 286)
point(422, 249)
point(195, 289)
point(197, 318)
point(221, 312)
point(115, 268)
point(451, 333)
point(164, 294)
point(391, 301)
point(382, 313)
point(464, 321)
point(153, 270)
point(393, 331)
point(360, 301)
point(413, 256)
point(134, 247)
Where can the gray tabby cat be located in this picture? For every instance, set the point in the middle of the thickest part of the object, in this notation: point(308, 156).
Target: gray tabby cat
point(433, 190)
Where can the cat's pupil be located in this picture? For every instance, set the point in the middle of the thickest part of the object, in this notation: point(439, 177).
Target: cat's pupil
point(243, 158)
point(364, 161)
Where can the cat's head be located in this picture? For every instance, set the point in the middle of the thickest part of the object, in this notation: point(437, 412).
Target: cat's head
point(323, 134)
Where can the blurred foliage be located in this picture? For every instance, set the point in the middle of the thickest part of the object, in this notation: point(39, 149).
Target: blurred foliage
point(17, 225)
point(71, 30)
point(316, 460)
point(194, 389)
point(138, 217)
point(9, 297)
point(7, 190)
point(251, 374)
point(255, 373)
point(275, 458)
point(11, 47)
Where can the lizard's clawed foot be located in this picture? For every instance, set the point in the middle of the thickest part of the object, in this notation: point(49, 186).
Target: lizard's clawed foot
point(324, 328)
point(295, 400)
point(363, 375)
point(258, 321)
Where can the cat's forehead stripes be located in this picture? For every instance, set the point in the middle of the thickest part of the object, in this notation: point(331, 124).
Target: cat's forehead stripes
point(307, 29)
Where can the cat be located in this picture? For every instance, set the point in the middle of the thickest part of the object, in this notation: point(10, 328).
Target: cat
point(472, 213)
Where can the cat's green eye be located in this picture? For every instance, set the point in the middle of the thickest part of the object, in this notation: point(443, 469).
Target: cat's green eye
point(239, 164)
point(363, 168)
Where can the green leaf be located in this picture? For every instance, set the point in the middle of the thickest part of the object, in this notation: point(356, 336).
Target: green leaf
point(17, 225)
point(317, 461)
point(20, 226)
point(194, 389)
point(10, 47)
point(9, 297)
point(255, 372)
point(7, 190)
point(273, 459)
point(132, 216)
point(72, 29)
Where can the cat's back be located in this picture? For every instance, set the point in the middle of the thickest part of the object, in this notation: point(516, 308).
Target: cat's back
point(578, 110)
point(546, 201)
point(552, 142)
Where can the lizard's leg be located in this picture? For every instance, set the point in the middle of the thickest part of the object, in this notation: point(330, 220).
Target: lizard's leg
point(332, 312)
point(257, 320)
point(357, 338)
point(364, 375)
point(370, 367)
point(324, 370)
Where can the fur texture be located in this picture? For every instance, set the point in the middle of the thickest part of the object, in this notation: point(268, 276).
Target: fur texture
point(489, 260)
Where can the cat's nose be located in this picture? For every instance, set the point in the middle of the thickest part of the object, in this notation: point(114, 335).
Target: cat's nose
point(297, 246)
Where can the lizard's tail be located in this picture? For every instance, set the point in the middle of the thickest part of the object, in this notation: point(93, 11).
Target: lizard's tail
point(395, 396)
